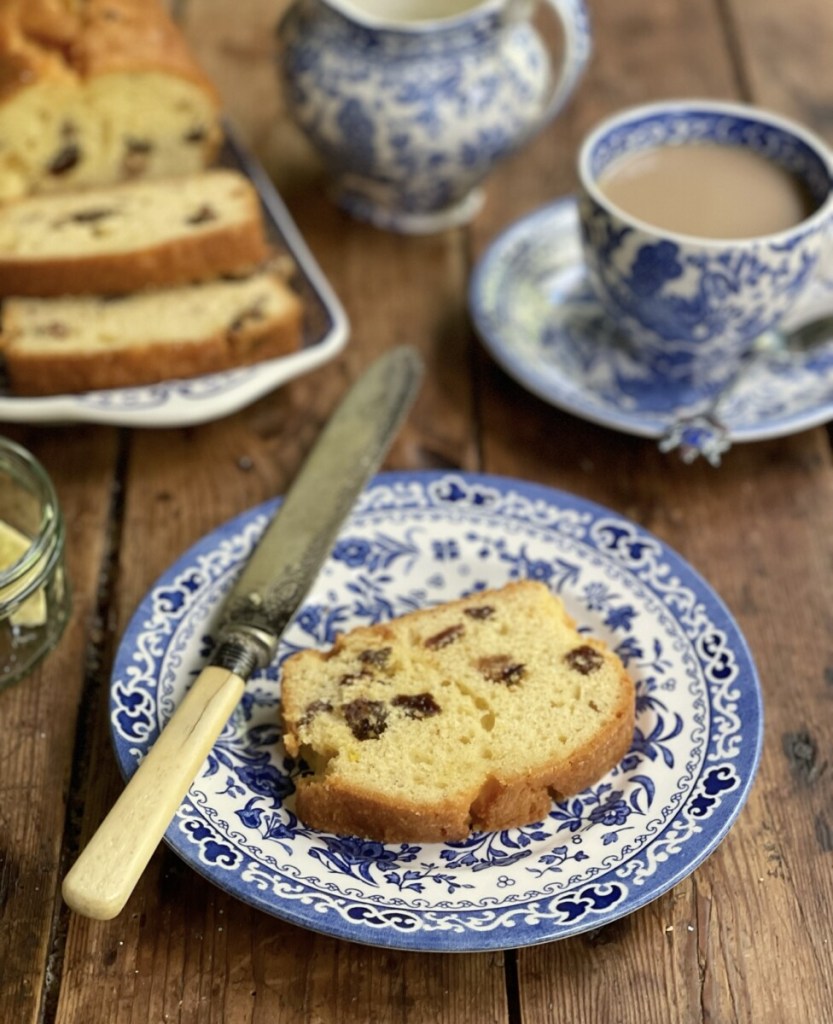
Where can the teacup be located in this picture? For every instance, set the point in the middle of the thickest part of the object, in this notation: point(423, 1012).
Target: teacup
point(691, 304)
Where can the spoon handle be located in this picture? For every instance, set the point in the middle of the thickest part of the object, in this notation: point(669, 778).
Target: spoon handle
point(702, 433)
point(100, 882)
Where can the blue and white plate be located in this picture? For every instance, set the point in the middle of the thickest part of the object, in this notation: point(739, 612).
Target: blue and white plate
point(180, 403)
point(415, 539)
point(535, 311)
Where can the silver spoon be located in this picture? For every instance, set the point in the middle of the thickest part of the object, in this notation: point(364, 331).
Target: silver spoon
point(702, 433)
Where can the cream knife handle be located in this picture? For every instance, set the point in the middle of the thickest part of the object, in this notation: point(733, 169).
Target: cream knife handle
point(100, 882)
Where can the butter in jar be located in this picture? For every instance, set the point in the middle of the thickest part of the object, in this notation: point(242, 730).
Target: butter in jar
point(34, 596)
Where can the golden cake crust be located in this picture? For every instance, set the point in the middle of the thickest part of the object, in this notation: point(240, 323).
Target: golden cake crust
point(98, 91)
point(65, 361)
point(79, 40)
point(231, 240)
point(505, 787)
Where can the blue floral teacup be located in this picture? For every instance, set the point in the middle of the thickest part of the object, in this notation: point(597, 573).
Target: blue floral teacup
point(410, 104)
point(691, 307)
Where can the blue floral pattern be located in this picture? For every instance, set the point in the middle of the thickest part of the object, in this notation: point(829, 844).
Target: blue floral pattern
point(533, 307)
point(691, 309)
point(416, 539)
point(410, 121)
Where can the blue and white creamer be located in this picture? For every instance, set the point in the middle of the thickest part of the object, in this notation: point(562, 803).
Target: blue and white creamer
point(411, 102)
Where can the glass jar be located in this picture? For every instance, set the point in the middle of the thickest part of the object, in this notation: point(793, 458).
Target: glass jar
point(34, 595)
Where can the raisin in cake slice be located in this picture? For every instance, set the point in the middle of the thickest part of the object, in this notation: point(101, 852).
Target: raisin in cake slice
point(84, 343)
point(132, 236)
point(470, 716)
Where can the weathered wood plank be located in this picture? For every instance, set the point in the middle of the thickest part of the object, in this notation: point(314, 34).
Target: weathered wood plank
point(39, 717)
point(784, 59)
point(183, 950)
point(745, 938)
point(755, 528)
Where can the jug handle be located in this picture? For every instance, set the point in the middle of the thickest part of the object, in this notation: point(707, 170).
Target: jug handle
point(575, 24)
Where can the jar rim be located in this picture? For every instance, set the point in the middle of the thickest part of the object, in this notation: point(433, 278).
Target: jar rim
point(45, 546)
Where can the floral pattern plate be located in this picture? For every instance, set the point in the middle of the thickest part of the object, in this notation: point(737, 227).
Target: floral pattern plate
point(181, 403)
point(415, 539)
point(533, 307)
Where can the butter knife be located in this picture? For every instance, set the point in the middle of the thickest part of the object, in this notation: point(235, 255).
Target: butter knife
point(269, 591)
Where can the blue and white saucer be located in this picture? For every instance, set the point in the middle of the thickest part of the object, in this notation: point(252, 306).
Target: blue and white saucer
point(533, 307)
point(415, 539)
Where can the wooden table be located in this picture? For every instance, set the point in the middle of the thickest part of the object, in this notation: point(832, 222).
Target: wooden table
point(747, 936)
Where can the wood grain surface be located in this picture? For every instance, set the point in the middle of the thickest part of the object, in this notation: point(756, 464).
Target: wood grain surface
point(747, 936)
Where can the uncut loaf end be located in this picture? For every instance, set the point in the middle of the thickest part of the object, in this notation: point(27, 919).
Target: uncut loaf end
point(98, 92)
point(469, 716)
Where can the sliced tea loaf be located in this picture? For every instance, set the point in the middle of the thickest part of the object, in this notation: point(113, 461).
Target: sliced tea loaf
point(469, 716)
point(131, 236)
point(55, 346)
point(99, 91)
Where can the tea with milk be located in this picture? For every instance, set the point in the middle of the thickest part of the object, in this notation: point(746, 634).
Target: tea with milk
point(708, 190)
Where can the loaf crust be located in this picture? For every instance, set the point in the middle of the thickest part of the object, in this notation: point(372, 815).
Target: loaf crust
point(507, 787)
point(74, 42)
point(233, 249)
point(42, 363)
point(184, 254)
point(96, 92)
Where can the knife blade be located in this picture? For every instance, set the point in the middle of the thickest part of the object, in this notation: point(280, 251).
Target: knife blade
point(270, 589)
